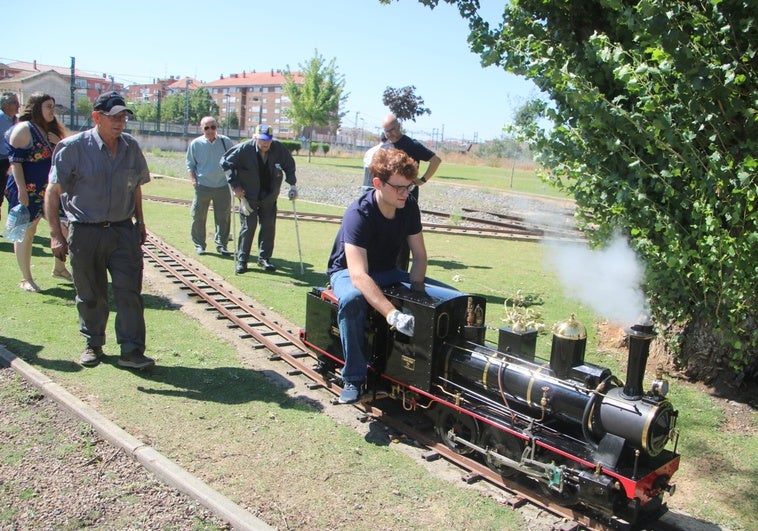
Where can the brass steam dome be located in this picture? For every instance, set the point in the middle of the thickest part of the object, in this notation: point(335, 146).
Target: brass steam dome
point(570, 329)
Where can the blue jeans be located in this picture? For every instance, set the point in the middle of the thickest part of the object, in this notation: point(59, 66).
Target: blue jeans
point(351, 318)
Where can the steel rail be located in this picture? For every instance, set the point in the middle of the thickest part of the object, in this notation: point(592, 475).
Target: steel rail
point(483, 228)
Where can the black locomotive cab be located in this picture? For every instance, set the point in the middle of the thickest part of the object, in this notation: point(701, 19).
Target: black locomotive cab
point(440, 313)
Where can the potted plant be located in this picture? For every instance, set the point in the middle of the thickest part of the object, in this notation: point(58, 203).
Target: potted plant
point(519, 336)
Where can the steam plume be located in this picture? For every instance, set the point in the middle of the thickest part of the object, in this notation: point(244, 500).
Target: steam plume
point(608, 280)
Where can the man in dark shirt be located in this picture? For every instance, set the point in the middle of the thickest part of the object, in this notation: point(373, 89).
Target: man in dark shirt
point(364, 254)
point(418, 152)
point(256, 169)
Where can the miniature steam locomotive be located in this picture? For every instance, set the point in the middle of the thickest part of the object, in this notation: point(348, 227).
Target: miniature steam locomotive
point(570, 426)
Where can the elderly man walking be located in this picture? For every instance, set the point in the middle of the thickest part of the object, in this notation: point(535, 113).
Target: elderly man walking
point(209, 179)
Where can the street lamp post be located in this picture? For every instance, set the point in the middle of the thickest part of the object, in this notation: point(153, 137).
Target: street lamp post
point(355, 129)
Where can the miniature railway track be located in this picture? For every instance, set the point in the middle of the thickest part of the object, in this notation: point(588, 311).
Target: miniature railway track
point(285, 345)
point(503, 226)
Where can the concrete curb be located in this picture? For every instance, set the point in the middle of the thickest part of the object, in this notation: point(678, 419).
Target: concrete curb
point(165, 469)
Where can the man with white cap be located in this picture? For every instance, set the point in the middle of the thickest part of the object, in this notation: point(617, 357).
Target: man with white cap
point(97, 176)
point(255, 171)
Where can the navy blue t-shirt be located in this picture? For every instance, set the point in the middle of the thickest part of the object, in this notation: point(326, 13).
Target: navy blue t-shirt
point(364, 225)
point(414, 149)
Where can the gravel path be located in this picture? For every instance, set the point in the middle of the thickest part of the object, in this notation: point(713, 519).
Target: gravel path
point(316, 186)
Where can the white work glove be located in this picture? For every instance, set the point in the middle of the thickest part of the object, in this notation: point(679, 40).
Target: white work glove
point(402, 322)
point(292, 195)
point(245, 207)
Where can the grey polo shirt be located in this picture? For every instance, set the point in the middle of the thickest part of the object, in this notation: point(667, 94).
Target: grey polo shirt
point(95, 186)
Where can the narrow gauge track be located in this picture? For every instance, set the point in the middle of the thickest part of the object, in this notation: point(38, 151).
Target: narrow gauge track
point(515, 228)
point(285, 345)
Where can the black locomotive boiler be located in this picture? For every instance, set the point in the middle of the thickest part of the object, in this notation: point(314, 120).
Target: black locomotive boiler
point(584, 436)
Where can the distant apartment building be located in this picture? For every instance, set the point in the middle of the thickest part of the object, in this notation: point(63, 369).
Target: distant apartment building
point(255, 97)
point(25, 79)
point(160, 88)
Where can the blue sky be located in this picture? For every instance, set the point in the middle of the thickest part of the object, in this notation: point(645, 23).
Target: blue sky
point(374, 46)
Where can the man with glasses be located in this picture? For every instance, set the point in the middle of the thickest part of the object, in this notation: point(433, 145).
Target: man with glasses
point(209, 180)
point(364, 254)
point(8, 118)
point(418, 152)
point(97, 178)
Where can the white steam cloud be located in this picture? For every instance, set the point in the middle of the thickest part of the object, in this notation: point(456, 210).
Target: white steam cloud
point(608, 280)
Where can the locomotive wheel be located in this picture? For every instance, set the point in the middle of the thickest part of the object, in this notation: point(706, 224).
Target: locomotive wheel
point(461, 425)
point(504, 444)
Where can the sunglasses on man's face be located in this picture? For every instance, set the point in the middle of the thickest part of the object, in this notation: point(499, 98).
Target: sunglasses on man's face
point(209, 127)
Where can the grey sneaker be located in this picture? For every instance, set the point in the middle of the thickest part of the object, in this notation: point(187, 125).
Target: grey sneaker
point(350, 393)
point(135, 360)
point(91, 356)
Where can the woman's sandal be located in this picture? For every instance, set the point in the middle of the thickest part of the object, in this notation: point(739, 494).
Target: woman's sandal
point(29, 285)
point(64, 274)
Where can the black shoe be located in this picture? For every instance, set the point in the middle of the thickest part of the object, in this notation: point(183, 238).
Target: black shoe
point(241, 268)
point(265, 264)
point(135, 360)
point(223, 251)
point(91, 356)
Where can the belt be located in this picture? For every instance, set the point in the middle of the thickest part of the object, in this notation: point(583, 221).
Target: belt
point(105, 224)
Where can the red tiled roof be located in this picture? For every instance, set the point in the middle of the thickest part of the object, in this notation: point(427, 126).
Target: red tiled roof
point(180, 84)
point(25, 66)
point(251, 79)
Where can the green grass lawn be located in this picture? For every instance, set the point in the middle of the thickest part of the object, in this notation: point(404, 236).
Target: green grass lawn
point(202, 394)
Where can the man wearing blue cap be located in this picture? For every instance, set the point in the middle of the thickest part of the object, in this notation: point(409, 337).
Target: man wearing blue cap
point(255, 171)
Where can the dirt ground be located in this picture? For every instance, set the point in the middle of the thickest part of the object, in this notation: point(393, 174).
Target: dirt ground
point(56, 472)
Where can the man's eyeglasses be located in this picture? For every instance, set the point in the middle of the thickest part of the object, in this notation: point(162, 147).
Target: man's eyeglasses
point(209, 127)
point(400, 189)
point(116, 117)
point(393, 128)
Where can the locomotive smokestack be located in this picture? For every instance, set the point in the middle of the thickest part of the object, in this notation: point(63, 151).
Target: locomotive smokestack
point(640, 337)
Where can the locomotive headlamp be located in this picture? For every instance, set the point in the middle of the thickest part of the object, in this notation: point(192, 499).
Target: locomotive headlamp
point(659, 388)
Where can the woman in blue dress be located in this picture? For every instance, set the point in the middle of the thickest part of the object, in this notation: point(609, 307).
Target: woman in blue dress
point(32, 141)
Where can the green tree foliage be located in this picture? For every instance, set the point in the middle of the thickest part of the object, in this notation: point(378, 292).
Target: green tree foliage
point(404, 103)
point(231, 121)
point(315, 102)
point(172, 108)
point(144, 111)
point(84, 106)
point(201, 104)
point(654, 130)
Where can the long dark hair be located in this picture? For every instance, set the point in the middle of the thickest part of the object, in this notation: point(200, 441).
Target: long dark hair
point(32, 112)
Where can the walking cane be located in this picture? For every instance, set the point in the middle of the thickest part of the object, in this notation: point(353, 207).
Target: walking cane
point(234, 236)
point(297, 234)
